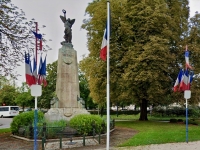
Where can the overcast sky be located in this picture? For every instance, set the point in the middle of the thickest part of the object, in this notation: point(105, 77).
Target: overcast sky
point(47, 12)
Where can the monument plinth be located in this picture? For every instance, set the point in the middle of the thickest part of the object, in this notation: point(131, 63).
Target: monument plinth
point(67, 86)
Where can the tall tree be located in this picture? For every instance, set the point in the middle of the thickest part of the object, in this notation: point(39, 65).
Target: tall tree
point(15, 37)
point(146, 49)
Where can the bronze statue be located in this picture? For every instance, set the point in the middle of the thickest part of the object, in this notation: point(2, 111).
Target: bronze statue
point(67, 24)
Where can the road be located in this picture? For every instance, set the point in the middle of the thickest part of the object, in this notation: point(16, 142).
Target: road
point(5, 122)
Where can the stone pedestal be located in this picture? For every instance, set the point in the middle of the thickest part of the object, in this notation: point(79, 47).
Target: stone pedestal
point(67, 86)
point(55, 114)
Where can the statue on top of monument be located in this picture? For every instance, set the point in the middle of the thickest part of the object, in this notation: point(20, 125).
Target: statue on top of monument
point(67, 24)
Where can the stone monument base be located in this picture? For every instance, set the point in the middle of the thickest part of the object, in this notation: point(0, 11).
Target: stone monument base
point(55, 114)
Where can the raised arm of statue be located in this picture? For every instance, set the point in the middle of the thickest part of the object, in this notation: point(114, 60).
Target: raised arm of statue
point(67, 24)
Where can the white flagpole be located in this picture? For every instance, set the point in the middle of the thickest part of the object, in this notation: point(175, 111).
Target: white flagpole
point(108, 76)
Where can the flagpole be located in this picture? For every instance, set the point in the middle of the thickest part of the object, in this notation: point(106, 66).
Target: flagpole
point(35, 112)
point(108, 76)
point(36, 46)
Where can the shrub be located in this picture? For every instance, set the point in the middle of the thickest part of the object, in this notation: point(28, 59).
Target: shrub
point(83, 123)
point(192, 121)
point(24, 119)
point(180, 120)
point(173, 120)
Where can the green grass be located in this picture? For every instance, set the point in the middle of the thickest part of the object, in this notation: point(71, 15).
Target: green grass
point(136, 117)
point(153, 132)
point(7, 130)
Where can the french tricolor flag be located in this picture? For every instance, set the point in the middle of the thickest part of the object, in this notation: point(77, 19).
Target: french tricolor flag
point(187, 64)
point(103, 52)
point(178, 80)
point(185, 81)
point(28, 70)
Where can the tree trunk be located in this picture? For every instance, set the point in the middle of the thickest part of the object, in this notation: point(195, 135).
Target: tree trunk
point(143, 110)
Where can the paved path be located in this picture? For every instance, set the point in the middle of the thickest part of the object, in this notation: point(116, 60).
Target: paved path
point(168, 146)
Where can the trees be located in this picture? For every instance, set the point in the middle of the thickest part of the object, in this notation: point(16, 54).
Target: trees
point(7, 95)
point(15, 37)
point(147, 46)
point(24, 97)
point(85, 92)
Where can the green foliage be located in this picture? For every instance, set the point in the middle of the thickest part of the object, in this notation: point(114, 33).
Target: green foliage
point(85, 91)
point(146, 48)
point(173, 120)
point(16, 37)
point(24, 99)
point(192, 121)
point(83, 123)
point(24, 119)
point(8, 94)
point(49, 91)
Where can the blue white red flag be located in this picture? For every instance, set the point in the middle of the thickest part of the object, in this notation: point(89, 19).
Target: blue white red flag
point(28, 70)
point(103, 52)
point(178, 80)
point(185, 81)
point(40, 72)
point(187, 64)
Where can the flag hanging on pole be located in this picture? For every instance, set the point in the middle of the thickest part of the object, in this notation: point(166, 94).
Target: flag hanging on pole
point(185, 82)
point(34, 71)
point(39, 37)
point(28, 70)
point(43, 72)
point(103, 52)
point(40, 71)
point(187, 64)
point(178, 80)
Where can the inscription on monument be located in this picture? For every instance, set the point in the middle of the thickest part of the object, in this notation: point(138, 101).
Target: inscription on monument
point(67, 57)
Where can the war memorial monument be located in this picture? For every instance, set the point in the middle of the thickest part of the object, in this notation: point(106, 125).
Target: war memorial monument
point(68, 103)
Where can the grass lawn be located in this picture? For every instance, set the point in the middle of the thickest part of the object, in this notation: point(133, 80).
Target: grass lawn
point(154, 132)
point(7, 130)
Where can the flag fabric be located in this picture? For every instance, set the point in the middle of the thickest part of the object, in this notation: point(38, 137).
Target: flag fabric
point(185, 81)
point(34, 70)
point(39, 37)
point(28, 70)
point(40, 71)
point(187, 64)
point(103, 52)
point(178, 80)
point(44, 81)
point(191, 75)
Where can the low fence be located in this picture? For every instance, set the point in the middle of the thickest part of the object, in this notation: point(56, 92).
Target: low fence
point(45, 133)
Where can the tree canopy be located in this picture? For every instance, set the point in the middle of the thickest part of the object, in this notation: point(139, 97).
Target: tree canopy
point(15, 37)
point(147, 45)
